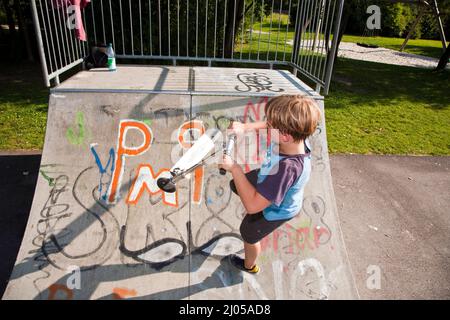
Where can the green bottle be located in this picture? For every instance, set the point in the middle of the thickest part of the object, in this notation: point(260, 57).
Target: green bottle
point(111, 58)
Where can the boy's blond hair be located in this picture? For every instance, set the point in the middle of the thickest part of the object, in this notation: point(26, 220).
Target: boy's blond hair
point(295, 115)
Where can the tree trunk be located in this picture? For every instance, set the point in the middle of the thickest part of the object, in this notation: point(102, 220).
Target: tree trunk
point(343, 26)
point(229, 34)
point(23, 29)
point(12, 27)
point(444, 60)
point(9, 16)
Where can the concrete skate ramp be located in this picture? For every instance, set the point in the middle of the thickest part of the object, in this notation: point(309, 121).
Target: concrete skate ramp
point(100, 228)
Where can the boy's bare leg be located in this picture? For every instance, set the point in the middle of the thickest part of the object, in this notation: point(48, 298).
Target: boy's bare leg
point(252, 252)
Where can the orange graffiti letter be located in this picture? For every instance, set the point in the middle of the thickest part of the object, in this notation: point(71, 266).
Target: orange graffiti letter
point(54, 288)
point(122, 293)
point(123, 151)
point(146, 180)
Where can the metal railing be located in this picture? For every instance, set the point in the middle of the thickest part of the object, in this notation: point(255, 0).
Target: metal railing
point(59, 49)
point(296, 33)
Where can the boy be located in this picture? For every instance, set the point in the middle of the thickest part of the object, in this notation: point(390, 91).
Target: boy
point(273, 194)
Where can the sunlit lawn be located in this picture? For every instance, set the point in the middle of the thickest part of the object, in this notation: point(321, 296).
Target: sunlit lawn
point(23, 107)
point(376, 108)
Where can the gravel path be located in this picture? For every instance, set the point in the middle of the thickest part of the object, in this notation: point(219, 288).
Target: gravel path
point(381, 55)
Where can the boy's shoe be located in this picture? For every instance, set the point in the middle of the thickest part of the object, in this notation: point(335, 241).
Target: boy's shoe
point(238, 262)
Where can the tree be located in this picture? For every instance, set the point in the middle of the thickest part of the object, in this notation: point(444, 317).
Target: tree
point(350, 6)
point(203, 28)
point(234, 18)
point(9, 12)
point(22, 22)
point(17, 14)
point(444, 60)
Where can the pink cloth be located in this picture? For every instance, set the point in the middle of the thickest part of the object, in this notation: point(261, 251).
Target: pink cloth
point(79, 31)
point(79, 5)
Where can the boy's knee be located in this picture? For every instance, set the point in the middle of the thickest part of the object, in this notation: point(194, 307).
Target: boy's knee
point(246, 231)
point(243, 231)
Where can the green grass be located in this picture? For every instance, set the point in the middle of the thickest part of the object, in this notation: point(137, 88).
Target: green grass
point(277, 20)
point(384, 109)
point(23, 107)
point(429, 48)
point(273, 46)
point(260, 44)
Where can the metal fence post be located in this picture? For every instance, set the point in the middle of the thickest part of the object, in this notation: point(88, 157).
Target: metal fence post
point(318, 87)
point(40, 43)
point(297, 34)
point(332, 52)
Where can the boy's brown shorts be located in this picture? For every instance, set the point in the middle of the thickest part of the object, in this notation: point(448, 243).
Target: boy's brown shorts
point(255, 227)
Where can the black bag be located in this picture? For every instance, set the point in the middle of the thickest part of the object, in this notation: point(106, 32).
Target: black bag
point(97, 59)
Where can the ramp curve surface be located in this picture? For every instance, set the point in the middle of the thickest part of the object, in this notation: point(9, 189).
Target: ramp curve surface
point(100, 228)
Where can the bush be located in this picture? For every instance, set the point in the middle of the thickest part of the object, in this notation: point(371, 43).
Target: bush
point(395, 19)
point(429, 26)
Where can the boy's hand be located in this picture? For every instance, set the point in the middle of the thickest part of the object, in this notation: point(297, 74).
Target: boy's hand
point(227, 163)
point(237, 127)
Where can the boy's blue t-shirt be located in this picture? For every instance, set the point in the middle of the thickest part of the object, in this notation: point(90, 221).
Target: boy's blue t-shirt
point(281, 180)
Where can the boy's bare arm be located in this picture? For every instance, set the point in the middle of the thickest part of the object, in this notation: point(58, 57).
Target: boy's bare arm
point(251, 199)
point(240, 127)
point(256, 125)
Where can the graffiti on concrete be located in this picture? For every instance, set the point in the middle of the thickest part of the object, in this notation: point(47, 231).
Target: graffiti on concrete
point(306, 279)
point(161, 231)
point(309, 232)
point(77, 134)
point(106, 172)
point(124, 151)
point(256, 81)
